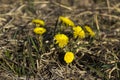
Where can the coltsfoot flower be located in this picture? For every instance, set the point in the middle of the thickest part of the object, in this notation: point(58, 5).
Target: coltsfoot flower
point(90, 31)
point(78, 32)
point(66, 21)
point(39, 30)
point(69, 57)
point(61, 39)
point(38, 22)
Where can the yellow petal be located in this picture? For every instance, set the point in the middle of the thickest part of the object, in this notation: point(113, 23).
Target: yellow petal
point(66, 21)
point(39, 30)
point(38, 22)
point(69, 57)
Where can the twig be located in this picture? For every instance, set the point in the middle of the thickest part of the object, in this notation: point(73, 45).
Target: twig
point(41, 2)
point(109, 11)
point(66, 7)
point(96, 21)
point(112, 16)
point(83, 13)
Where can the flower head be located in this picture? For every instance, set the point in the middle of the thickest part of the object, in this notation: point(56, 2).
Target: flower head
point(66, 21)
point(69, 57)
point(61, 39)
point(78, 32)
point(39, 30)
point(90, 31)
point(38, 22)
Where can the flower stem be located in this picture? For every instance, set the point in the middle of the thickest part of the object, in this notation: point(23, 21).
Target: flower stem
point(41, 44)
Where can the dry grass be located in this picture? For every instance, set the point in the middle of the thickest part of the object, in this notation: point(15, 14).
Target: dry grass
point(19, 49)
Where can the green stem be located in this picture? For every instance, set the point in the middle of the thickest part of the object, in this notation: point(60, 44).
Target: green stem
point(41, 44)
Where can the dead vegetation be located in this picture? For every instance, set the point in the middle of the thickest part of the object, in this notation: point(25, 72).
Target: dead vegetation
point(99, 60)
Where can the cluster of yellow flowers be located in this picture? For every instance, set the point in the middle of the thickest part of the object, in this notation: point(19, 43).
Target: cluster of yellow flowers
point(39, 29)
point(61, 39)
point(77, 30)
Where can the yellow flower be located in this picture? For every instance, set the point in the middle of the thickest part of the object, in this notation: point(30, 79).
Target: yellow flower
point(78, 32)
point(66, 21)
point(39, 30)
point(61, 39)
point(90, 31)
point(69, 57)
point(38, 22)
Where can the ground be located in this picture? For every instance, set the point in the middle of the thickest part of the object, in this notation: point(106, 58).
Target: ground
point(95, 59)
